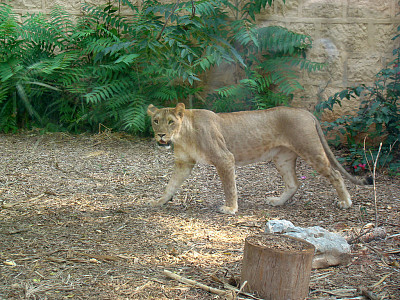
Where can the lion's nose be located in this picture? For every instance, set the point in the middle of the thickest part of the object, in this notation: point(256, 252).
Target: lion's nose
point(161, 135)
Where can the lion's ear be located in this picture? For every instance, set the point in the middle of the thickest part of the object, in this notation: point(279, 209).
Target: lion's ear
point(180, 109)
point(151, 110)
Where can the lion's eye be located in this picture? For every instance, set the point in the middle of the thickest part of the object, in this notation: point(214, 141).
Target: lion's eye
point(171, 122)
point(155, 121)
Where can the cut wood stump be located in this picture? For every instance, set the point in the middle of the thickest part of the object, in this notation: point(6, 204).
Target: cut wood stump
point(277, 266)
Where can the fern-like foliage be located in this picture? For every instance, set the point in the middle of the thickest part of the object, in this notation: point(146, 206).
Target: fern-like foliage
point(35, 67)
point(274, 57)
point(66, 73)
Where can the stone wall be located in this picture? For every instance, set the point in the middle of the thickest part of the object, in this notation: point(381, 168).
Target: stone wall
point(23, 7)
point(353, 36)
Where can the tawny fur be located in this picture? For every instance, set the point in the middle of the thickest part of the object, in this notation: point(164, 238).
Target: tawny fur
point(224, 140)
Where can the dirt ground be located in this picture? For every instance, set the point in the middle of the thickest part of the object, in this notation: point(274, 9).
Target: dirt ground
point(75, 223)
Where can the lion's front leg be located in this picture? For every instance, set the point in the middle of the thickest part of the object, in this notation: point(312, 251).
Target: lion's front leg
point(226, 171)
point(182, 170)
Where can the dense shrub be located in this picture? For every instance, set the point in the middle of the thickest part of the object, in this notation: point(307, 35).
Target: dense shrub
point(377, 118)
point(62, 73)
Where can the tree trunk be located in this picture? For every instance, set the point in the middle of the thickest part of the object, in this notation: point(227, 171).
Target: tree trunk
point(277, 266)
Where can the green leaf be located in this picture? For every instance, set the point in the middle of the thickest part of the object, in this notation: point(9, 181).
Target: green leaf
point(127, 59)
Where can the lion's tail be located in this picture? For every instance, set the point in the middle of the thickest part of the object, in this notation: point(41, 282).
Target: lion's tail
point(365, 181)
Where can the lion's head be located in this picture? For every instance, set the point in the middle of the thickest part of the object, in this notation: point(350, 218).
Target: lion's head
point(166, 123)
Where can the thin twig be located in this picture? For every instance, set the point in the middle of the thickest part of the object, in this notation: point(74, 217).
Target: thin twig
point(339, 292)
point(374, 177)
point(242, 287)
point(167, 20)
point(365, 155)
point(229, 286)
point(379, 253)
point(381, 280)
point(392, 236)
point(317, 277)
point(226, 294)
point(375, 161)
point(240, 292)
point(390, 150)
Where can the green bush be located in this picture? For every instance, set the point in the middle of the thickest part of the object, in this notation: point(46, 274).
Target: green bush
point(377, 118)
point(62, 73)
point(273, 57)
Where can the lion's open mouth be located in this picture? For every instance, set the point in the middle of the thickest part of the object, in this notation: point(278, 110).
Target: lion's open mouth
point(162, 143)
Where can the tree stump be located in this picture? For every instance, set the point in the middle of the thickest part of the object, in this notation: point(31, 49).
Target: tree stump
point(277, 266)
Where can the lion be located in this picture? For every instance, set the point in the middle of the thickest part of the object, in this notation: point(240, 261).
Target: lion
point(280, 134)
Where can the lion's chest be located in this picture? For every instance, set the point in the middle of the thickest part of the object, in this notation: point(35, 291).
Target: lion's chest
point(189, 152)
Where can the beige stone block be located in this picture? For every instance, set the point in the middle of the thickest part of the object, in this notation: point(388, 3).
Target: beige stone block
point(334, 72)
point(324, 50)
point(363, 68)
point(27, 4)
point(266, 14)
point(346, 37)
point(72, 6)
point(288, 9)
point(92, 2)
point(316, 87)
point(370, 9)
point(381, 37)
point(279, 11)
point(306, 98)
point(349, 107)
point(307, 28)
point(323, 8)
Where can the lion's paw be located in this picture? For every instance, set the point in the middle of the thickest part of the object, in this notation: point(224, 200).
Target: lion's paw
point(274, 201)
point(344, 204)
point(154, 203)
point(157, 203)
point(228, 210)
point(160, 202)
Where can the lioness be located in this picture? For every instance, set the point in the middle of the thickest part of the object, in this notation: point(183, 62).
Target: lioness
point(280, 134)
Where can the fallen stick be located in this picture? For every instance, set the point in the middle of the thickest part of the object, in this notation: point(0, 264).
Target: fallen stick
point(394, 235)
point(239, 291)
point(98, 257)
point(231, 287)
point(227, 294)
point(381, 280)
point(338, 293)
point(368, 294)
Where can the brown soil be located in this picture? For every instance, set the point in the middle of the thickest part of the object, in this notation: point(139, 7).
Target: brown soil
point(74, 223)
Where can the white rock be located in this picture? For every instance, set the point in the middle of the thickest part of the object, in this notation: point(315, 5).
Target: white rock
point(331, 249)
point(278, 226)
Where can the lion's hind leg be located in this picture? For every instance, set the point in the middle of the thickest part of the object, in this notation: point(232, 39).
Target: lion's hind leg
point(285, 162)
point(322, 165)
point(337, 181)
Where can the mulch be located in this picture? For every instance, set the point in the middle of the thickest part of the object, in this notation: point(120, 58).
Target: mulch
point(75, 223)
